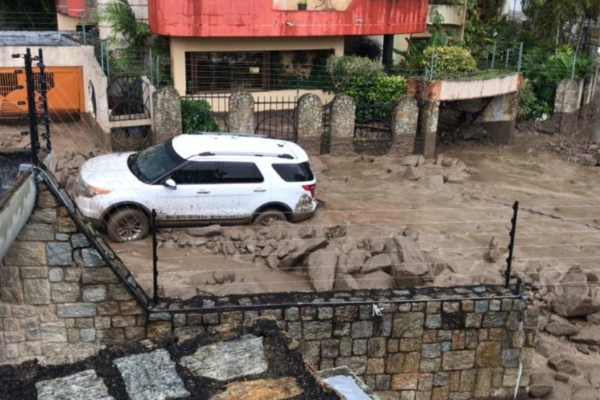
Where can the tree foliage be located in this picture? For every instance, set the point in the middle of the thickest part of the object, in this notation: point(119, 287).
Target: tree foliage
point(196, 116)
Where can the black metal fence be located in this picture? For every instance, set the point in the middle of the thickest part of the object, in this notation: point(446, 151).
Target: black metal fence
point(276, 117)
point(372, 130)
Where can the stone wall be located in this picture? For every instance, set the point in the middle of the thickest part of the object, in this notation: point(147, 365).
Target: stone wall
point(405, 120)
point(241, 113)
point(58, 300)
point(427, 132)
point(343, 115)
point(309, 123)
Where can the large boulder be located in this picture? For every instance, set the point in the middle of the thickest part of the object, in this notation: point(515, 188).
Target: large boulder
point(588, 335)
point(321, 269)
point(540, 384)
point(562, 364)
point(594, 318)
point(573, 305)
point(375, 280)
point(377, 263)
point(345, 282)
point(303, 248)
point(414, 268)
point(352, 261)
point(561, 327)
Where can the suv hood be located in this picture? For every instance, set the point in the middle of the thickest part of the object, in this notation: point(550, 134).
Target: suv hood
point(109, 171)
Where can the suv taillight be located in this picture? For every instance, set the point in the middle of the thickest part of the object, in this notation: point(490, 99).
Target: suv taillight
point(310, 188)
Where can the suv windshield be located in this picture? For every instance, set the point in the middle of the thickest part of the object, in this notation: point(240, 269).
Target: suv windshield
point(294, 172)
point(154, 162)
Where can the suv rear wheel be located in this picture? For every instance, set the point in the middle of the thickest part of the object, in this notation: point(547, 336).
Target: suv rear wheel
point(268, 216)
point(127, 224)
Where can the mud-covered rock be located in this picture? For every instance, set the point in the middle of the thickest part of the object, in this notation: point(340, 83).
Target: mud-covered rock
point(413, 174)
point(321, 269)
point(540, 384)
point(345, 282)
point(588, 335)
point(414, 266)
point(562, 364)
point(206, 231)
point(572, 305)
point(353, 261)
point(377, 263)
point(561, 327)
point(303, 249)
point(375, 280)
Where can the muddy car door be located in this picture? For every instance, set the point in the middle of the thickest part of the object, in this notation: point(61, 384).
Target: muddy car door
point(192, 197)
point(242, 189)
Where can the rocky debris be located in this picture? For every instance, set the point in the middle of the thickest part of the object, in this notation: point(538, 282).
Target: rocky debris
point(316, 165)
point(589, 335)
point(375, 280)
point(409, 161)
point(68, 167)
point(321, 269)
point(573, 305)
point(206, 231)
point(345, 282)
point(561, 327)
point(594, 318)
point(221, 277)
point(562, 364)
point(303, 248)
point(495, 253)
point(337, 231)
point(414, 267)
point(540, 384)
point(377, 263)
point(434, 181)
point(413, 174)
point(572, 150)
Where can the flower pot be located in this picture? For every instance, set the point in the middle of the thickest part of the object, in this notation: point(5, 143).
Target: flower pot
point(302, 7)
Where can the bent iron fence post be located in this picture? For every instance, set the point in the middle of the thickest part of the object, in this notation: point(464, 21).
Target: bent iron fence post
point(511, 245)
point(154, 259)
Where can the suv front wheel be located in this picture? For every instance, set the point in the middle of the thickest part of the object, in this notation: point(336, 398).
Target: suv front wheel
point(268, 216)
point(127, 224)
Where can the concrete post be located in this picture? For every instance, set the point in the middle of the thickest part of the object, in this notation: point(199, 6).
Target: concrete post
point(566, 105)
point(241, 113)
point(499, 118)
point(343, 116)
point(309, 123)
point(429, 113)
point(586, 108)
point(405, 121)
point(166, 116)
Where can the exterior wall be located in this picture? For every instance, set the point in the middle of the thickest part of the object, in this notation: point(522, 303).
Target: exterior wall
point(218, 18)
point(15, 211)
point(94, 80)
point(453, 15)
point(66, 23)
point(71, 8)
point(181, 45)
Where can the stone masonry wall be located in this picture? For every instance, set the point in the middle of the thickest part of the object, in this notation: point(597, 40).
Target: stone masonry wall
point(309, 123)
point(58, 300)
point(60, 303)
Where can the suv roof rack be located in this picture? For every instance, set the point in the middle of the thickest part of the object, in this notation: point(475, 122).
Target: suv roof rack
point(242, 153)
point(232, 134)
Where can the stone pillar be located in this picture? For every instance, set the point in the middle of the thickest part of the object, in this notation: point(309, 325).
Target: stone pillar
point(586, 108)
point(241, 113)
point(309, 123)
point(427, 132)
point(166, 105)
point(405, 120)
point(499, 118)
point(566, 105)
point(343, 115)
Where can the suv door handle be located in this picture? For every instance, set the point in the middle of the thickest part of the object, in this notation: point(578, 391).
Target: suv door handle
point(260, 190)
point(203, 192)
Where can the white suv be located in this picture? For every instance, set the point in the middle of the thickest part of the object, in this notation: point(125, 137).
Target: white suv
point(197, 179)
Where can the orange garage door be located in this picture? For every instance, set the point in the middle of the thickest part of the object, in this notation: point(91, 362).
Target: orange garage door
point(65, 91)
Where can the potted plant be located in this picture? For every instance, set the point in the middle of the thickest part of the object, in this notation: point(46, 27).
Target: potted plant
point(302, 5)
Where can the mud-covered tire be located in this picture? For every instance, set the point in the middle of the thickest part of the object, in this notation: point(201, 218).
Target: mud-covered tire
point(127, 225)
point(268, 216)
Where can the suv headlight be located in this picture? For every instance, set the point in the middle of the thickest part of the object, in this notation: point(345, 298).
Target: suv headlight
point(85, 190)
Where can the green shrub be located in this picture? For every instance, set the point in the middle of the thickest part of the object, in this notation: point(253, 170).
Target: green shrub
point(196, 116)
point(449, 60)
point(363, 79)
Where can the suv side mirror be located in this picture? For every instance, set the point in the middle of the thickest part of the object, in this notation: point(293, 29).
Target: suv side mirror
point(170, 184)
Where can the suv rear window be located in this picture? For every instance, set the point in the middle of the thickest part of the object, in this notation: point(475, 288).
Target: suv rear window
point(294, 172)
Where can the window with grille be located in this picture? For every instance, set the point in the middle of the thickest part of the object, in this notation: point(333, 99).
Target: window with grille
point(213, 72)
point(8, 82)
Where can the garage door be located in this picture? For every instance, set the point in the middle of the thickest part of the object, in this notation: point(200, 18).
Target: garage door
point(65, 91)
